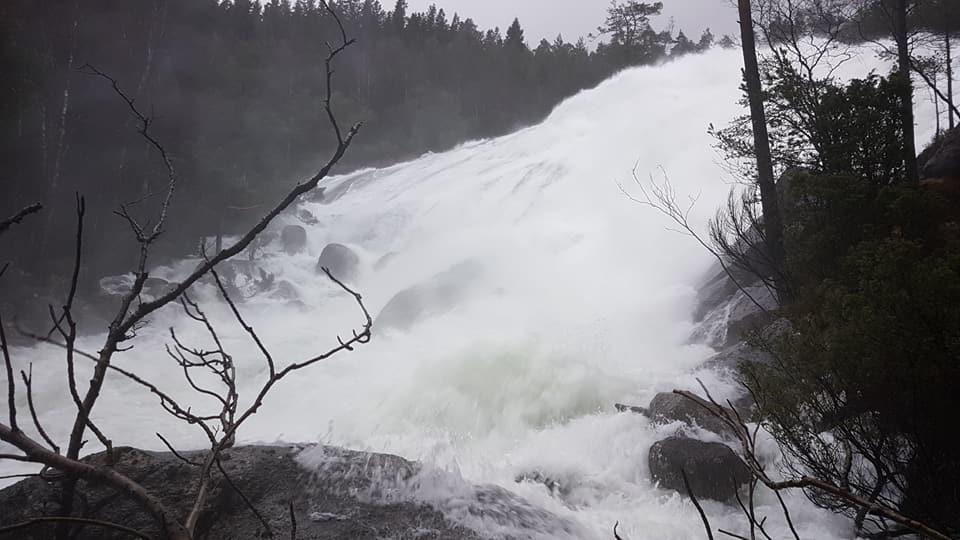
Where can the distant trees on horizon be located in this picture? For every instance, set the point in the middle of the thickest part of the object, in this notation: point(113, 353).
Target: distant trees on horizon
point(235, 89)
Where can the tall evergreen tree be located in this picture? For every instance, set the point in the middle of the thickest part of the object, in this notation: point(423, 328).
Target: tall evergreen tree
point(514, 39)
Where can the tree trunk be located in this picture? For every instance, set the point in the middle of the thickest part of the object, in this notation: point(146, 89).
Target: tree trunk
point(906, 94)
point(946, 39)
point(773, 227)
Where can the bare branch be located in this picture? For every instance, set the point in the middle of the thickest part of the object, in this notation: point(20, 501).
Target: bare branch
point(176, 454)
point(28, 383)
point(293, 522)
point(132, 316)
point(804, 481)
point(18, 217)
point(11, 385)
point(246, 501)
point(663, 198)
point(693, 497)
point(144, 130)
point(83, 521)
point(243, 324)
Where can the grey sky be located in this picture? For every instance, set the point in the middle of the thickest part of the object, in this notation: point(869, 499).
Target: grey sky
point(574, 18)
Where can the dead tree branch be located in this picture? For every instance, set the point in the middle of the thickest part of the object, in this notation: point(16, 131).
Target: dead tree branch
point(18, 217)
point(84, 521)
point(663, 199)
point(693, 497)
point(732, 419)
point(28, 383)
point(132, 316)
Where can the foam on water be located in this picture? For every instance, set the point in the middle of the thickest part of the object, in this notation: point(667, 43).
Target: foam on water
point(582, 299)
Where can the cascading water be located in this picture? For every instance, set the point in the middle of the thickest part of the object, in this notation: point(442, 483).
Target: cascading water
point(548, 295)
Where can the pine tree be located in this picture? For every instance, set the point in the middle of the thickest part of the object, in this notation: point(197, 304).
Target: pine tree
point(706, 40)
point(682, 45)
point(514, 40)
point(399, 15)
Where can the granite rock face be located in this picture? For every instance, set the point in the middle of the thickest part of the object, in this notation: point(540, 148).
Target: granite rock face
point(324, 501)
point(713, 469)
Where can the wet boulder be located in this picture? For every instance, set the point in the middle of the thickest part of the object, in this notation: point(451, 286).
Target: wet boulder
point(713, 470)
point(273, 479)
point(294, 239)
point(667, 407)
point(437, 295)
point(342, 262)
point(307, 217)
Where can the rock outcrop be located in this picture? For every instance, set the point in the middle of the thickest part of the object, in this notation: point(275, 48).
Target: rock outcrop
point(325, 501)
point(667, 407)
point(437, 295)
point(342, 262)
point(294, 239)
point(940, 162)
point(713, 469)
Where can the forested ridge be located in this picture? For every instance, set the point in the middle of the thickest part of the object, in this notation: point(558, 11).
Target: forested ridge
point(235, 94)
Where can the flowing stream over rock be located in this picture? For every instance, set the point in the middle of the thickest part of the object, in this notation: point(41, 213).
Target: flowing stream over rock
point(533, 296)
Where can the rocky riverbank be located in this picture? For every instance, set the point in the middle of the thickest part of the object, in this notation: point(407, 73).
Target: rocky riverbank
point(726, 319)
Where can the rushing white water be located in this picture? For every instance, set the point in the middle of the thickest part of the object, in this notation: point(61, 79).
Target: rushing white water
point(577, 298)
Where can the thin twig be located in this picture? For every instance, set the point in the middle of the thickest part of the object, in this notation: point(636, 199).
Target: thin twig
point(63, 519)
point(176, 454)
point(11, 383)
point(293, 522)
point(28, 383)
point(246, 501)
point(805, 481)
point(18, 217)
point(703, 515)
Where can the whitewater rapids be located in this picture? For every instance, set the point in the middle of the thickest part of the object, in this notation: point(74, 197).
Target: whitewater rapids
point(581, 298)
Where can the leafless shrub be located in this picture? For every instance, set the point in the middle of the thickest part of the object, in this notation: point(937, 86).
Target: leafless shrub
point(219, 426)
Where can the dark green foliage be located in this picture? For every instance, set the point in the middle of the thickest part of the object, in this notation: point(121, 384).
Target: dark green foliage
point(682, 45)
point(823, 126)
point(632, 40)
point(875, 347)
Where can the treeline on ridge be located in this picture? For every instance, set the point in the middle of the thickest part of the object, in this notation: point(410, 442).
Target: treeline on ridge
point(236, 88)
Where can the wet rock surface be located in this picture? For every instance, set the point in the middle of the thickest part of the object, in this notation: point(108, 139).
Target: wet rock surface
point(294, 239)
point(667, 407)
point(342, 262)
point(713, 469)
point(326, 502)
point(436, 295)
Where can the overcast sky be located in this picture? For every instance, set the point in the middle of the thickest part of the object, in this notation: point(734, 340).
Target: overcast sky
point(574, 18)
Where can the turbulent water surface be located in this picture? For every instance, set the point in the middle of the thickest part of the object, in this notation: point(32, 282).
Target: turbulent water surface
point(552, 296)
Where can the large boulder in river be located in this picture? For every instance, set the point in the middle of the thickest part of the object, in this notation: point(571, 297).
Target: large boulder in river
point(667, 407)
point(342, 262)
point(326, 501)
point(294, 239)
point(437, 295)
point(713, 469)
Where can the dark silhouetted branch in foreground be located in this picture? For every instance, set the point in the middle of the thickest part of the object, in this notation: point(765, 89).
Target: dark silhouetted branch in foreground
point(696, 503)
point(221, 426)
point(84, 521)
point(18, 217)
point(730, 417)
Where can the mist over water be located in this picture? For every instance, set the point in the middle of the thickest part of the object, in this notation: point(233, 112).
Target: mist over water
point(573, 298)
